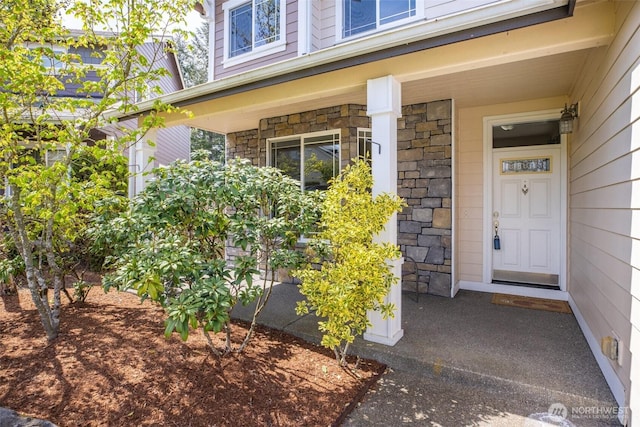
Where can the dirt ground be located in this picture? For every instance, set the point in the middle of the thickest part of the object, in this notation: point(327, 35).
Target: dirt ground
point(112, 366)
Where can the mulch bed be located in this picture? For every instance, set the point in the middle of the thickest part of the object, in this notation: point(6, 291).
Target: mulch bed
point(112, 366)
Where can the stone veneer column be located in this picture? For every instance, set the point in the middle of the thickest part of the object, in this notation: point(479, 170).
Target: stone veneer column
point(384, 108)
point(424, 182)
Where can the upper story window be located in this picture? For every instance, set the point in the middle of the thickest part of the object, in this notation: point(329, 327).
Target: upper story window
point(313, 159)
point(359, 16)
point(253, 28)
point(49, 57)
point(53, 156)
point(87, 55)
point(53, 58)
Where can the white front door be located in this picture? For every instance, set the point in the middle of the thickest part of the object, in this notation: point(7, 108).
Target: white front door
point(526, 215)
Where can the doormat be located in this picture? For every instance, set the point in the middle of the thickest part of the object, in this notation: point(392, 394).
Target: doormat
point(530, 302)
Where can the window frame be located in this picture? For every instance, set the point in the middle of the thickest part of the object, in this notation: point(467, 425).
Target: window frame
point(50, 157)
point(54, 65)
point(364, 139)
point(336, 133)
point(256, 51)
point(89, 65)
point(54, 155)
point(340, 30)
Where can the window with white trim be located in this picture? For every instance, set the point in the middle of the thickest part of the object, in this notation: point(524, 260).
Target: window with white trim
point(88, 55)
point(253, 27)
point(364, 144)
point(48, 56)
point(313, 159)
point(30, 154)
point(360, 16)
point(53, 156)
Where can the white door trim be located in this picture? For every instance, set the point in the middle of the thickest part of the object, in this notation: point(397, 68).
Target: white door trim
point(487, 239)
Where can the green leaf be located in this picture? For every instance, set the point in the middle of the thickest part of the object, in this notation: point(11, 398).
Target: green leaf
point(170, 326)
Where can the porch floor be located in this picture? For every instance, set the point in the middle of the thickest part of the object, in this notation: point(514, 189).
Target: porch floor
point(466, 361)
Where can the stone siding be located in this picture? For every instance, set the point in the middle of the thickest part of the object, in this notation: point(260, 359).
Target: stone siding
point(424, 177)
point(252, 144)
point(424, 181)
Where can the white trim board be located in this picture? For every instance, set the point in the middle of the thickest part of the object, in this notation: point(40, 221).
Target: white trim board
point(524, 291)
point(616, 386)
point(487, 221)
point(454, 204)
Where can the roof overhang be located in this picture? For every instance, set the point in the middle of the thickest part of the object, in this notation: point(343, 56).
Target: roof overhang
point(533, 41)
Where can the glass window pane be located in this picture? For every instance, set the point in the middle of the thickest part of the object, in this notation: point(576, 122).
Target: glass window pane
point(240, 37)
point(393, 10)
point(358, 16)
point(88, 55)
point(364, 145)
point(285, 155)
point(267, 22)
point(55, 156)
point(320, 165)
point(50, 58)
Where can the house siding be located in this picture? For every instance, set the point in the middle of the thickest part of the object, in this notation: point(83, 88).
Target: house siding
point(329, 33)
point(172, 144)
point(291, 50)
point(469, 194)
point(156, 52)
point(604, 204)
point(424, 177)
point(327, 19)
point(316, 25)
point(439, 8)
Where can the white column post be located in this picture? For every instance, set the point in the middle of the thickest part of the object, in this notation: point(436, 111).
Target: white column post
point(384, 107)
point(210, 6)
point(143, 160)
point(304, 27)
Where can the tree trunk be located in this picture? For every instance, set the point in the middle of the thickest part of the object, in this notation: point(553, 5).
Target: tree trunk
point(40, 295)
point(36, 282)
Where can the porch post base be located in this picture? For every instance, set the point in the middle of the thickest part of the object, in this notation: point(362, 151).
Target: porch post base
point(388, 331)
point(390, 341)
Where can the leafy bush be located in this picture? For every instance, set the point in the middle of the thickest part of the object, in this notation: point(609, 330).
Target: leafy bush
point(347, 274)
point(171, 247)
point(81, 290)
point(50, 189)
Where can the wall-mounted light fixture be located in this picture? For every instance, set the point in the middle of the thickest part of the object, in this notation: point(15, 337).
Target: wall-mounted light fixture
point(566, 119)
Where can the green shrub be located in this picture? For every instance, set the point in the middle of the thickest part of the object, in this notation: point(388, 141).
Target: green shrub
point(347, 274)
point(171, 246)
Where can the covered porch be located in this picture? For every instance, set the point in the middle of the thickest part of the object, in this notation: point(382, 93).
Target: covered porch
point(469, 84)
point(475, 363)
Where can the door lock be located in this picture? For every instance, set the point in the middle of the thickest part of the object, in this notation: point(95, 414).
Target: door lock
point(496, 238)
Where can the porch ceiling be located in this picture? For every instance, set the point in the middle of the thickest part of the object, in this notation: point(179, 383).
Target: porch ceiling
point(544, 77)
point(532, 79)
point(534, 62)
